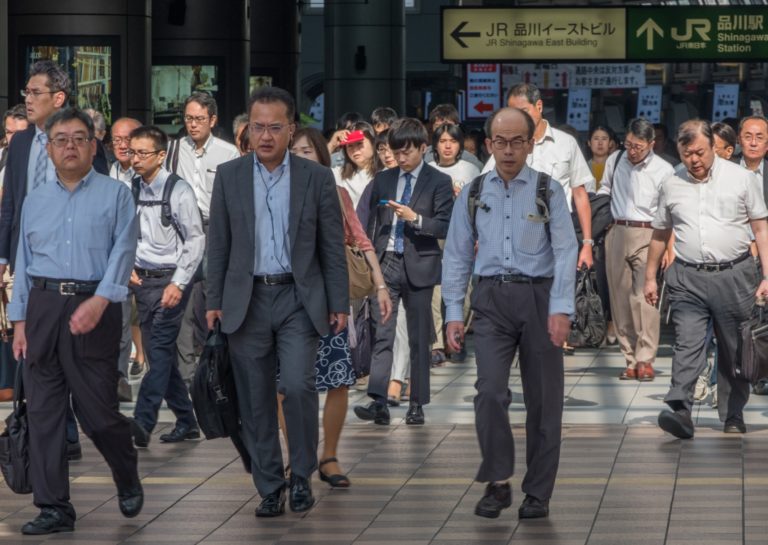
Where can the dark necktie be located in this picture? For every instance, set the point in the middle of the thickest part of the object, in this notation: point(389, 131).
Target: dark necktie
point(400, 227)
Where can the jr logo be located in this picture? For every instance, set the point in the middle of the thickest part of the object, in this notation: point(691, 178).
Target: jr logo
point(701, 26)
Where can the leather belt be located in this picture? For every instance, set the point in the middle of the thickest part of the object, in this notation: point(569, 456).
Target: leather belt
point(65, 287)
point(274, 279)
point(154, 273)
point(630, 223)
point(714, 267)
point(516, 279)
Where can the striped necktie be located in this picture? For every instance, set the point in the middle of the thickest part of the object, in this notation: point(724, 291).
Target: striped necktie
point(41, 164)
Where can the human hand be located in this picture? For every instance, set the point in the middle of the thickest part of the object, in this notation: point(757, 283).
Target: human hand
point(558, 327)
point(211, 316)
point(19, 340)
point(87, 315)
point(171, 296)
point(585, 257)
point(454, 334)
point(385, 304)
point(135, 280)
point(402, 211)
point(338, 318)
point(651, 291)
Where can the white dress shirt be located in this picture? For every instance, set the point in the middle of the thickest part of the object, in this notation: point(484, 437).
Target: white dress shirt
point(758, 173)
point(117, 172)
point(634, 189)
point(399, 196)
point(710, 218)
point(557, 153)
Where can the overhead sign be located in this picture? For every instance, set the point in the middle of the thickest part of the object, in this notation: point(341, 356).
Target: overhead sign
point(565, 76)
point(483, 89)
point(604, 34)
point(532, 34)
point(714, 34)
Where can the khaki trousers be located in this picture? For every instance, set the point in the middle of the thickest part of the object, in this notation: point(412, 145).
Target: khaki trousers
point(636, 322)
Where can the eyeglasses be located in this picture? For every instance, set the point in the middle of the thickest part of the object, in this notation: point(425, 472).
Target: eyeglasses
point(141, 154)
point(34, 93)
point(258, 129)
point(500, 144)
point(61, 141)
point(634, 147)
point(196, 118)
point(117, 140)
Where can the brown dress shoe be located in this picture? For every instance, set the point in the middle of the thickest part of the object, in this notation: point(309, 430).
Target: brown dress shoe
point(645, 372)
point(628, 374)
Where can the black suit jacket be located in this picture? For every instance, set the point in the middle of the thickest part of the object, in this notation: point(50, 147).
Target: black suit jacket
point(15, 189)
point(315, 232)
point(432, 197)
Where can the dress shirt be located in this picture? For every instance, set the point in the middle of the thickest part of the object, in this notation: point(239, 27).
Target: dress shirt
point(198, 167)
point(272, 197)
point(634, 189)
point(160, 247)
point(116, 171)
point(758, 173)
point(710, 218)
point(354, 185)
point(557, 153)
point(35, 150)
point(88, 234)
point(399, 194)
point(510, 242)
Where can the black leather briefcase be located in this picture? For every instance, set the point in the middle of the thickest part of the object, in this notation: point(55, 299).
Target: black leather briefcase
point(752, 360)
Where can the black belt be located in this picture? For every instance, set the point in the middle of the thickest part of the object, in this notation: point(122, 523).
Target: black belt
point(65, 287)
point(516, 278)
point(154, 273)
point(630, 223)
point(714, 267)
point(274, 279)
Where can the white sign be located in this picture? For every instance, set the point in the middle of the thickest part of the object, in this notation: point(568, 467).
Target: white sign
point(649, 103)
point(483, 89)
point(579, 104)
point(725, 102)
point(564, 76)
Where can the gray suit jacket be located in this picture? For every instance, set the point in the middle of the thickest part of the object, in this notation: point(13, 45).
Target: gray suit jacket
point(315, 232)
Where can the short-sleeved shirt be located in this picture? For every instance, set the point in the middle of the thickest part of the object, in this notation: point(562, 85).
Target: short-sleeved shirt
point(710, 218)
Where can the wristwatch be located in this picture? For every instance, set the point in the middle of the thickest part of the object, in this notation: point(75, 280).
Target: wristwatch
point(179, 285)
point(588, 241)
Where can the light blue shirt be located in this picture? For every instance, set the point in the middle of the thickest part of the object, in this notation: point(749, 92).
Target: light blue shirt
point(34, 151)
point(510, 241)
point(88, 234)
point(272, 197)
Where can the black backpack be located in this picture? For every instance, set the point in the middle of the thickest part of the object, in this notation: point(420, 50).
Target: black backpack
point(589, 325)
point(164, 203)
point(542, 202)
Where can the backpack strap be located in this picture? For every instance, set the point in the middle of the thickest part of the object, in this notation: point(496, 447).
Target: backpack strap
point(473, 202)
point(542, 201)
point(136, 188)
point(165, 206)
point(616, 165)
point(172, 159)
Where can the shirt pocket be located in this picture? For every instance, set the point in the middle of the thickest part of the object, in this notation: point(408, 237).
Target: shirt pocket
point(531, 238)
point(97, 230)
point(646, 195)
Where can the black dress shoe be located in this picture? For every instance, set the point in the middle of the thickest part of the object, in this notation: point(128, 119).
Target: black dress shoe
point(273, 505)
point(140, 435)
point(533, 508)
point(761, 388)
point(414, 416)
point(131, 501)
point(180, 433)
point(677, 423)
point(496, 498)
point(735, 425)
point(74, 451)
point(49, 521)
point(378, 412)
point(300, 494)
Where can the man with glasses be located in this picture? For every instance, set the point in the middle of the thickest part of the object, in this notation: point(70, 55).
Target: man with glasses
point(523, 300)
point(633, 180)
point(168, 253)
point(195, 158)
point(122, 168)
point(277, 280)
point(410, 210)
point(72, 274)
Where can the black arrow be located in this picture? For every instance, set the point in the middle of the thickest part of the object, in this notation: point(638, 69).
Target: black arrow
point(457, 34)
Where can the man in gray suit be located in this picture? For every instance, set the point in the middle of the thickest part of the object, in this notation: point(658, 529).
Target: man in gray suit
point(277, 277)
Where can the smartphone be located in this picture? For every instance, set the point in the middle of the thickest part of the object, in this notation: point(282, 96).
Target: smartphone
point(385, 202)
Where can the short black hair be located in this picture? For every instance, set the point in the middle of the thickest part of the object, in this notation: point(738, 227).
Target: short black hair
point(156, 134)
point(641, 128)
point(454, 131)
point(527, 90)
point(382, 139)
point(383, 114)
point(267, 95)
point(348, 119)
point(663, 128)
point(203, 99)
point(448, 112)
point(69, 114)
point(58, 79)
point(405, 132)
point(725, 132)
point(17, 112)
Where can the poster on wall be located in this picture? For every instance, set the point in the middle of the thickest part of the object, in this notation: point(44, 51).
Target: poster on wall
point(579, 104)
point(649, 103)
point(725, 102)
point(90, 69)
point(483, 89)
point(172, 84)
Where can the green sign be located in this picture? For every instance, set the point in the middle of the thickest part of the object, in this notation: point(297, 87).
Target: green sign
point(697, 34)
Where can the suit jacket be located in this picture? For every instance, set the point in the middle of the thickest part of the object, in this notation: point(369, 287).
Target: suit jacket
point(15, 189)
point(315, 232)
point(432, 197)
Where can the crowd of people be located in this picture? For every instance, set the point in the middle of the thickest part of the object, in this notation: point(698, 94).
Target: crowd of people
point(126, 252)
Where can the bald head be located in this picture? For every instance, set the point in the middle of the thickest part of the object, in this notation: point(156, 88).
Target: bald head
point(510, 140)
point(504, 115)
point(121, 132)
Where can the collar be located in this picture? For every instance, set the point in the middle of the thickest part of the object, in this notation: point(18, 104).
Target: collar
point(282, 167)
point(123, 170)
point(758, 170)
point(642, 164)
point(710, 174)
point(204, 149)
point(549, 134)
point(415, 172)
point(85, 182)
point(155, 187)
point(38, 132)
point(525, 175)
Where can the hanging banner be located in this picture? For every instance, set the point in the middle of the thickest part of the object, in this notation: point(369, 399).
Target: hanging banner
point(483, 89)
point(649, 103)
point(579, 104)
point(725, 101)
point(565, 76)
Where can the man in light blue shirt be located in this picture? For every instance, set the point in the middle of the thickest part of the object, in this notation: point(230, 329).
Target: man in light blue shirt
point(524, 299)
point(76, 249)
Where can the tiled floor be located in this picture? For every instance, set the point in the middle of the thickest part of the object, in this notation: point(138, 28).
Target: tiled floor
point(621, 480)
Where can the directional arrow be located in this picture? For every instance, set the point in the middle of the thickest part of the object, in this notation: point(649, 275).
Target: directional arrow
point(457, 34)
point(483, 107)
point(649, 28)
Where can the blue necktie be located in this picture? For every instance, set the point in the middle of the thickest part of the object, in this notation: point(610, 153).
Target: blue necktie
point(41, 164)
point(400, 227)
